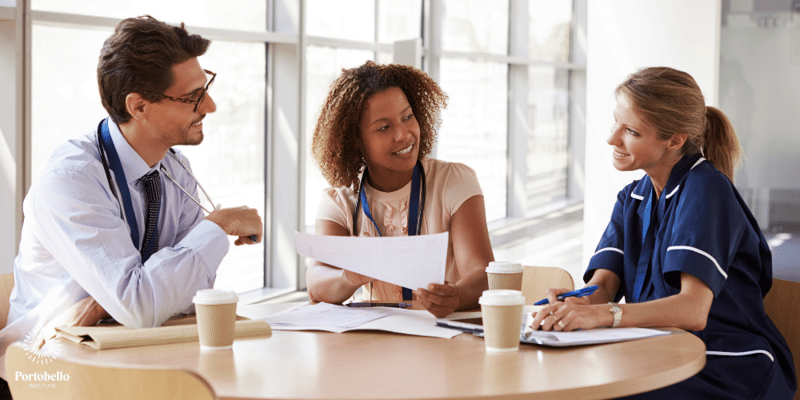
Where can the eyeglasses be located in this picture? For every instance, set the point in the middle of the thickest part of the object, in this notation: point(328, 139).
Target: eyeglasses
point(202, 94)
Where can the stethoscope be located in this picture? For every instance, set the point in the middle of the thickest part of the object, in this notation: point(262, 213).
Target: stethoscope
point(111, 161)
point(414, 214)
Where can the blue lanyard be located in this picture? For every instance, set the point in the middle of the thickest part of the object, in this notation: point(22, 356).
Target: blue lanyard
point(106, 145)
point(414, 209)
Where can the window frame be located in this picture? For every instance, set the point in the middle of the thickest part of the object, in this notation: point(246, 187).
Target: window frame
point(285, 126)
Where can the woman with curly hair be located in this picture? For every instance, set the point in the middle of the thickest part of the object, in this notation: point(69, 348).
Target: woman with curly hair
point(372, 140)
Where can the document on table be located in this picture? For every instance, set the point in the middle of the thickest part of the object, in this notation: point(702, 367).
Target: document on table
point(591, 336)
point(464, 323)
point(408, 261)
point(333, 318)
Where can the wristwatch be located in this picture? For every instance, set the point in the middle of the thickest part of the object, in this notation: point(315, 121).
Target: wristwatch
point(617, 312)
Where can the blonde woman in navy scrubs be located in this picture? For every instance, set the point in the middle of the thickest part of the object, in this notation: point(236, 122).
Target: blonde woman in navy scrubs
point(682, 247)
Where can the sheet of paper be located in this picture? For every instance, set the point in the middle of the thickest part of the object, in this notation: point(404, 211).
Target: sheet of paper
point(324, 316)
point(527, 309)
point(591, 336)
point(411, 322)
point(408, 261)
point(333, 318)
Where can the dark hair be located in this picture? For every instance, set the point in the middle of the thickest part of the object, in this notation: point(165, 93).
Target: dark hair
point(337, 144)
point(670, 100)
point(138, 58)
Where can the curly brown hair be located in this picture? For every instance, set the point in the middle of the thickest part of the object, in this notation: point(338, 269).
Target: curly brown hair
point(337, 142)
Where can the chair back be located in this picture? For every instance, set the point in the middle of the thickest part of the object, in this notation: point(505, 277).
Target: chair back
point(784, 310)
point(536, 280)
point(68, 380)
point(6, 285)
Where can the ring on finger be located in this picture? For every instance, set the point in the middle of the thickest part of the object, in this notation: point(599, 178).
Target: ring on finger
point(561, 324)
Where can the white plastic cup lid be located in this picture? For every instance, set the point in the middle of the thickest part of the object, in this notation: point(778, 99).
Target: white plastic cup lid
point(502, 298)
point(215, 296)
point(502, 267)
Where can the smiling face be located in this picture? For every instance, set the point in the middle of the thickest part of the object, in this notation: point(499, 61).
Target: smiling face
point(637, 145)
point(176, 123)
point(390, 137)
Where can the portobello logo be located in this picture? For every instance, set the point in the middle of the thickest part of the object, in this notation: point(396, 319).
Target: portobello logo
point(42, 355)
point(41, 377)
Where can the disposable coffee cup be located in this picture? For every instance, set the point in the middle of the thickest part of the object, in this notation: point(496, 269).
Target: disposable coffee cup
point(504, 275)
point(216, 318)
point(501, 311)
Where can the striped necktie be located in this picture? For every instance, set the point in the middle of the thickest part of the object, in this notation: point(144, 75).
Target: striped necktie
point(152, 188)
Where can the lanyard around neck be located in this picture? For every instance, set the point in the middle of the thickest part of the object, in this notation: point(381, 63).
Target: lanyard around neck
point(414, 210)
point(106, 146)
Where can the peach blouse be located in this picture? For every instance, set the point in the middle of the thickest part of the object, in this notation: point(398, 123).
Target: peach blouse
point(448, 186)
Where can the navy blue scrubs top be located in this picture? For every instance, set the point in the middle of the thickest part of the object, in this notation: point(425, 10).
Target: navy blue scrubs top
point(701, 226)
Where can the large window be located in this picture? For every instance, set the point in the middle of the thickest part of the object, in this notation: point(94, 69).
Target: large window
point(507, 66)
point(324, 65)
point(248, 15)
point(759, 90)
point(230, 162)
point(474, 125)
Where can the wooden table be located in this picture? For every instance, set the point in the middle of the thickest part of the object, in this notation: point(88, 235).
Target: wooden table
point(379, 365)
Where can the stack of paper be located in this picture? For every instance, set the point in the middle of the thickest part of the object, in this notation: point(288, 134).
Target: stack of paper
point(333, 318)
point(324, 316)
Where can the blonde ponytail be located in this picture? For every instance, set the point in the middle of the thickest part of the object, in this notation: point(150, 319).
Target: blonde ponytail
point(721, 146)
point(670, 100)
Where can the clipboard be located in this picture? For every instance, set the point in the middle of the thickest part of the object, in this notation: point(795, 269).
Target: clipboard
point(561, 339)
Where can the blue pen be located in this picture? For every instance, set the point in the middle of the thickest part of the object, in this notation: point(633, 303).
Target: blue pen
point(575, 293)
point(375, 304)
point(253, 238)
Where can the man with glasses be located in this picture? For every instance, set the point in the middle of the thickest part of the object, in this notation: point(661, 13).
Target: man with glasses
point(113, 225)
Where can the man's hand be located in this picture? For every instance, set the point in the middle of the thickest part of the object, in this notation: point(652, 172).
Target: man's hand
point(85, 312)
point(239, 221)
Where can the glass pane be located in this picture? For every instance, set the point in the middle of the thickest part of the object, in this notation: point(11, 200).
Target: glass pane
point(341, 19)
point(324, 65)
point(548, 131)
point(239, 14)
point(475, 26)
point(64, 95)
point(549, 28)
point(399, 20)
point(384, 58)
point(759, 90)
point(230, 162)
point(474, 125)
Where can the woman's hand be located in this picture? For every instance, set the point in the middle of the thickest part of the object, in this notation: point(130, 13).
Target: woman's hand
point(552, 294)
point(356, 279)
point(569, 315)
point(327, 283)
point(439, 300)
